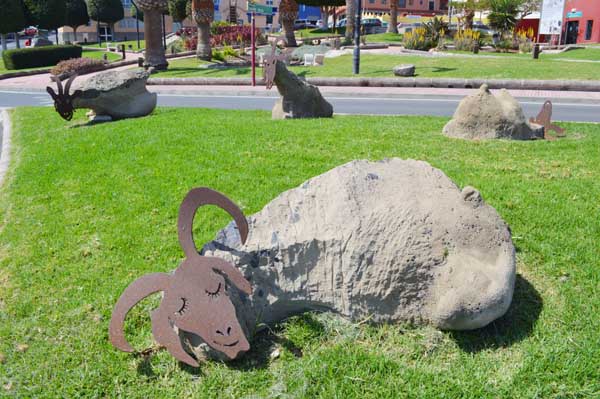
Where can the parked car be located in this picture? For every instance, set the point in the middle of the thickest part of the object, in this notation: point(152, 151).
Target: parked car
point(304, 24)
point(406, 27)
point(29, 31)
point(320, 24)
point(371, 22)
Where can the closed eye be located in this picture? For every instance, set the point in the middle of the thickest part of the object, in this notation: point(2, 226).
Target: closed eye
point(214, 294)
point(184, 306)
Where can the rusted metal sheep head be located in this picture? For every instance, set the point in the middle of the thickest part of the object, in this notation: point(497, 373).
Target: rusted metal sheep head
point(544, 118)
point(270, 65)
point(63, 101)
point(196, 298)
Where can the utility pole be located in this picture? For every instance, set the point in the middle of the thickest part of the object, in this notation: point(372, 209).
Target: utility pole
point(356, 54)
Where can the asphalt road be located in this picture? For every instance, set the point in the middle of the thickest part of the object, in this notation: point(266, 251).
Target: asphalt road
point(563, 110)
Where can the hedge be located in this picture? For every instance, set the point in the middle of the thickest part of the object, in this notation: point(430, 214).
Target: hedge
point(39, 56)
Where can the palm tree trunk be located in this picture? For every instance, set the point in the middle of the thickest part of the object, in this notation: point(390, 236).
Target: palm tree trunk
point(288, 12)
point(74, 34)
point(393, 25)
point(350, 18)
point(203, 12)
point(17, 41)
point(203, 51)
point(154, 53)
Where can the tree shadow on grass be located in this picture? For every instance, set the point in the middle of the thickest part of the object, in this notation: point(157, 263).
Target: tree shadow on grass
point(516, 325)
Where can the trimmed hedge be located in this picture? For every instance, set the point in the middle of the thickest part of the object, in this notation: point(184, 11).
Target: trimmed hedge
point(39, 56)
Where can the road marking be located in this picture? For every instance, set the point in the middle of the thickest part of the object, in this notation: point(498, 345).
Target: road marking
point(542, 99)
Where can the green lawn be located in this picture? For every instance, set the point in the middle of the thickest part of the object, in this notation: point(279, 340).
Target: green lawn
point(87, 209)
point(98, 54)
point(303, 33)
point(440, 67)
point(588, 54)
point(384, 38)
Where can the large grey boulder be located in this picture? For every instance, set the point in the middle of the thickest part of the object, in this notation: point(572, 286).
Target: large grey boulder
point(404, 70)
point(389, 241)
point(299, 99)
point(485, 116)
point(119, 95)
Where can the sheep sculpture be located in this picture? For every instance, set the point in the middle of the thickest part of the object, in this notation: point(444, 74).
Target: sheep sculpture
point(195, 296)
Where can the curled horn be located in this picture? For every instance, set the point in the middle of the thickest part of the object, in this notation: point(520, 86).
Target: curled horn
point(58, 84)
point(138, 290)
point(205, 196)
point(69, 83)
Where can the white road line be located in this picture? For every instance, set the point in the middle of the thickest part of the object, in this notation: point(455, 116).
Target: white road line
point(542, 99)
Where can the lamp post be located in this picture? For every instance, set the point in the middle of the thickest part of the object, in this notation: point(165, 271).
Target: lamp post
point(356, 54)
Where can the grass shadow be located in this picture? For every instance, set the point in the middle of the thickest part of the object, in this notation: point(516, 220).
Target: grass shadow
point(516, 325)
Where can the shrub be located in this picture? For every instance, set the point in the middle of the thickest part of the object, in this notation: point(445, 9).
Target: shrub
point(418, 40)
point(221, 35)
point(525, 40)
point(80, 66)
point(39, 56)
point(466, 40)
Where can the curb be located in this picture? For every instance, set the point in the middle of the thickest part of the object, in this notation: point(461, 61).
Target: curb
point(5, 132)
point(440, 83)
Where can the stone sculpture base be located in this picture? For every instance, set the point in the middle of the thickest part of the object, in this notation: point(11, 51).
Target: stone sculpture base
point(485, 116)
point(299, 99)
point(117, 95)
point(390, 241)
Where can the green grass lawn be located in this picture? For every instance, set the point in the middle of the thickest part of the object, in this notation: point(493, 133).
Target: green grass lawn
point(98, 54)
point(440, 67)
point(386, 37)
point(587, 54)
point(303, 33)
point(86, 210)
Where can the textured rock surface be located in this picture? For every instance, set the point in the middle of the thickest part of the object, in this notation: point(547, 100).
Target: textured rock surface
point(404, 70)
point(485, 116)
point(389, 241)
point(299, 99)
point(116, 94)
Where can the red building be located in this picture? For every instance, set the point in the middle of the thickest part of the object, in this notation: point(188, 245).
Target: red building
point(581, 21)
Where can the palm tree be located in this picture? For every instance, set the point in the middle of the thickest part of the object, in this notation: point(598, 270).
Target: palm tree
point(288, 12)
point(503, 15)
point(350, 19)
point(203, 12)
point(393, 25)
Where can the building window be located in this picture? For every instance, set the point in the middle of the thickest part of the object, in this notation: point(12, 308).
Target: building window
point(402, 3)
point(410, 2)
point(588, 30)
point(431, 5)
point(126, 3)
point(371, 1)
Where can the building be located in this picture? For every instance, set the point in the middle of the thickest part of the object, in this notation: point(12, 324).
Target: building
point(125, 29)
point(379, 8)
point(581, 23)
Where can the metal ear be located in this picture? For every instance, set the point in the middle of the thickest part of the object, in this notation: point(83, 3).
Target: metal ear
point(165, 335)
point(205, 196)
point(135, 292)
